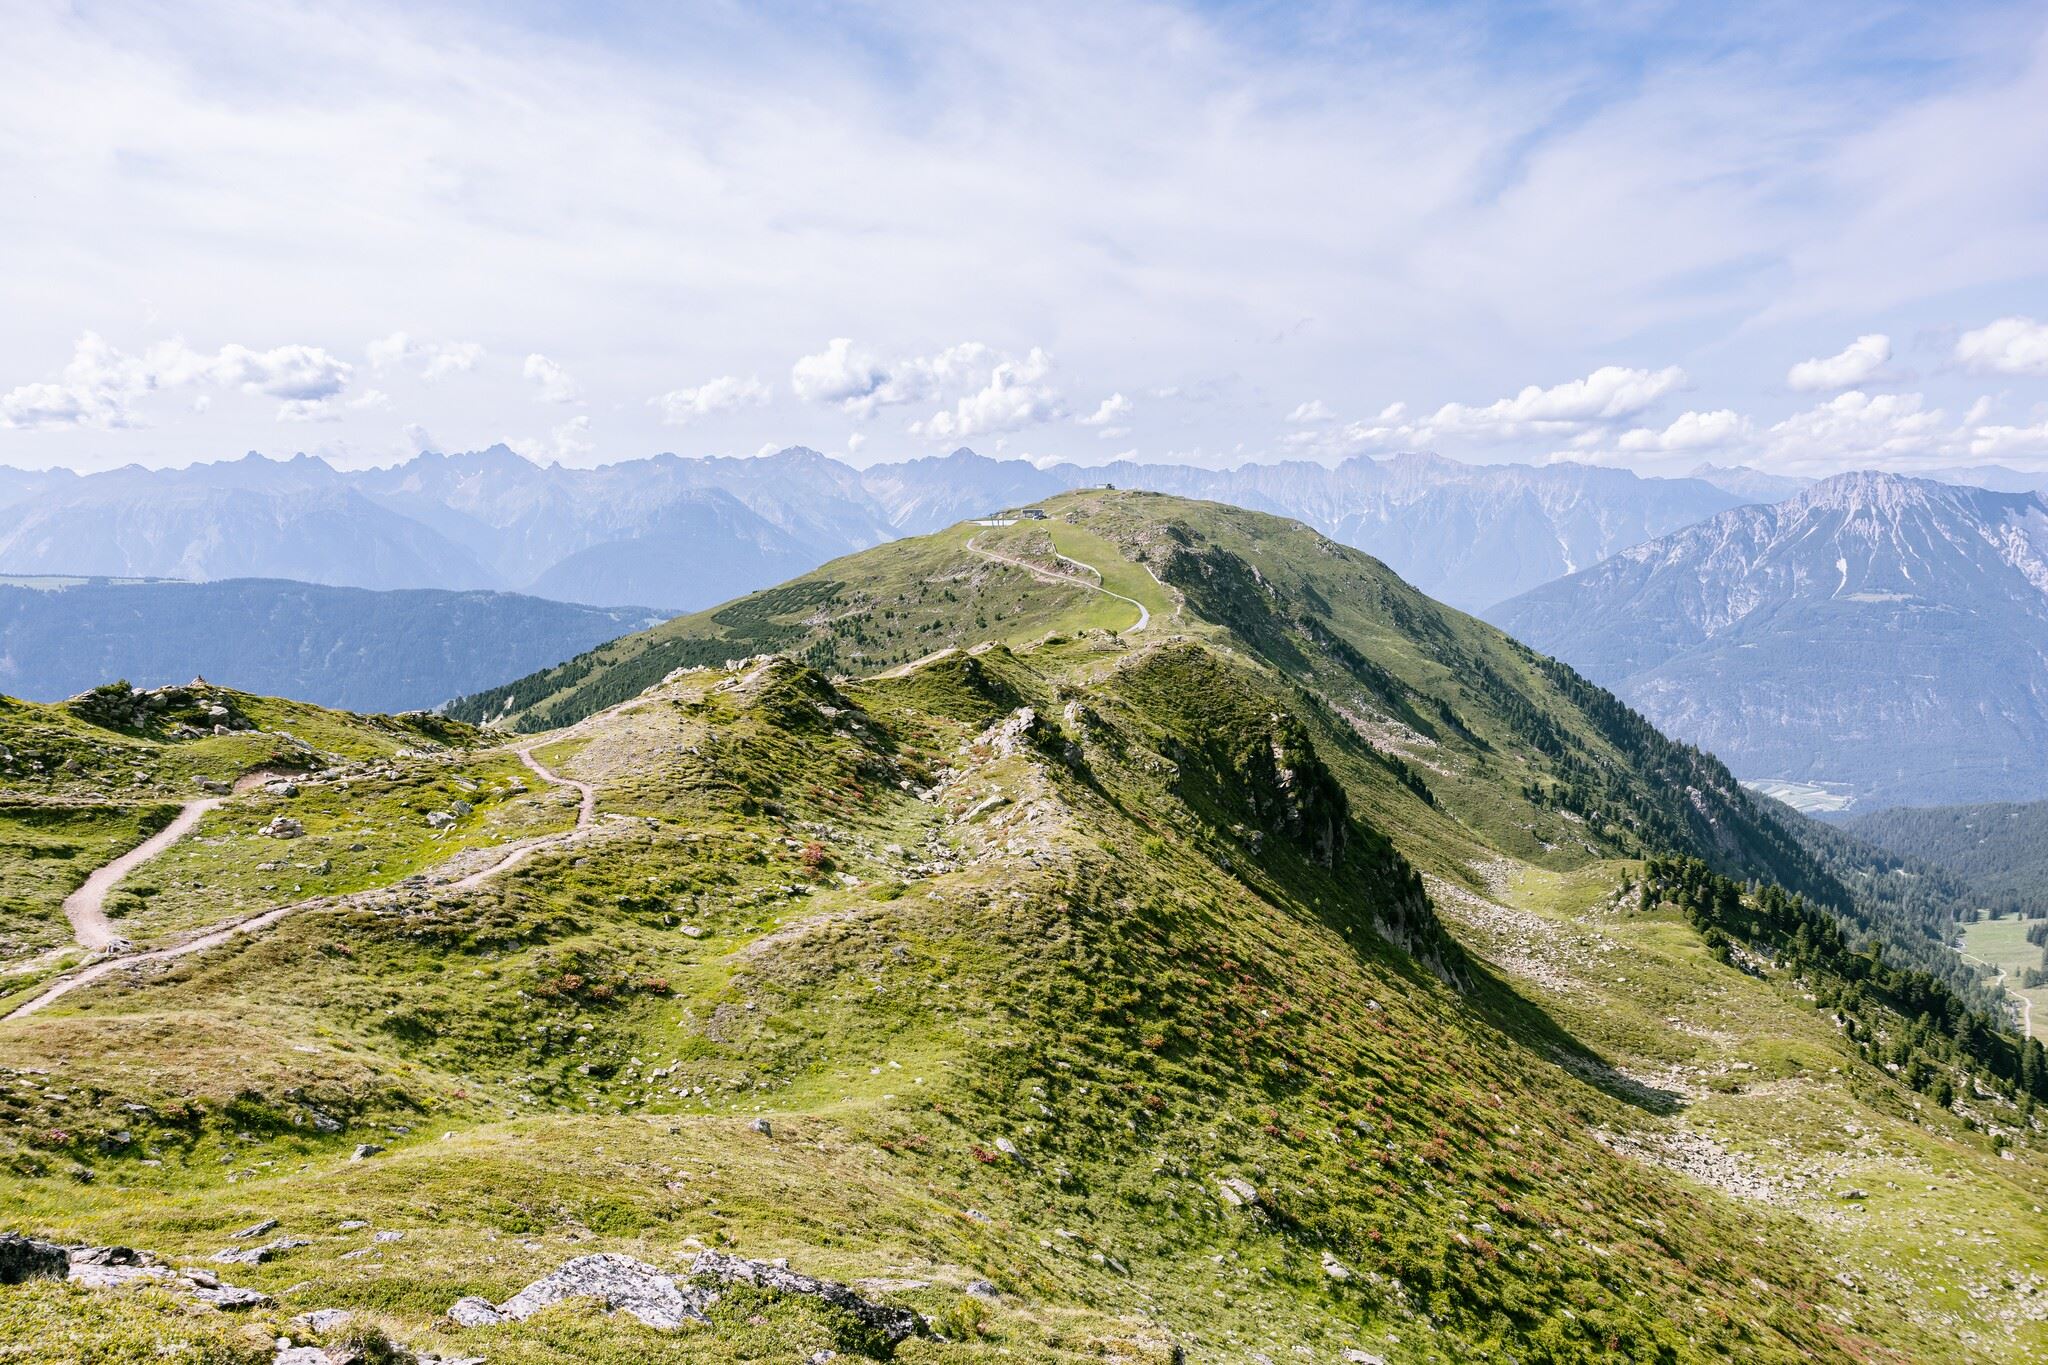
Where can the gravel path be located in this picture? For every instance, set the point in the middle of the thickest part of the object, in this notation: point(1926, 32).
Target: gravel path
point(1045, 575)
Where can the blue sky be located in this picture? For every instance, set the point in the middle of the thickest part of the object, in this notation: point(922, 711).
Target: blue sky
point(1806, 237)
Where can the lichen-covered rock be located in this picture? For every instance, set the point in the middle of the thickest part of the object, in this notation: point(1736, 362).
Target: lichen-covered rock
point(471, 1311)
point(893, 1325)
point(621, 1284)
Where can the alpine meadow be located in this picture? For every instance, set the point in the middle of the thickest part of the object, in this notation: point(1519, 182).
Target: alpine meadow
point(1154, 682)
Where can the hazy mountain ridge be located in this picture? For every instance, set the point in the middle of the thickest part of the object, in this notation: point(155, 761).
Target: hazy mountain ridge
point(1879, 631)
point(353, 647)
point(1468, 534)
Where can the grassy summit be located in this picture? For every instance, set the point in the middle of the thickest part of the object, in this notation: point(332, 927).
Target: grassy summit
point(1279, 978)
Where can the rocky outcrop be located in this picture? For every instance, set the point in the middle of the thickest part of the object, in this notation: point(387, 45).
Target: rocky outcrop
point(893, 1325)
point(24, 1258)
point(658, 1299)
point(620, 1283)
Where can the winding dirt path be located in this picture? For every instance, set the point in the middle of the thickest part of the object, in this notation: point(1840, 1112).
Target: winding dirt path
point(2026, 1005)
point(1045, 575)
point(586, 816)
point(86, 907)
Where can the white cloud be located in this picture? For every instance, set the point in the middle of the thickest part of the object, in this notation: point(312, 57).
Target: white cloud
point(1608, 393)
point(101, 383)
point(1113, 407)
point(569, 443)
point(1310, 413)
point(2008, 346)
point(1690, 431)
point(855, 442)
point(1015, 397)
point(551, 383)
point(1995, 442)
point(418, 437)
point(370, 398)
point(307, 410)
point(1859, 430)
point(728, 393)
point(838, 374)
point(435, 359)
point(1853, 365)
point(297, 372)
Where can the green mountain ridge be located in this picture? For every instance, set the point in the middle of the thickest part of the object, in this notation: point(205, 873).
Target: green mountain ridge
point(1309, 970)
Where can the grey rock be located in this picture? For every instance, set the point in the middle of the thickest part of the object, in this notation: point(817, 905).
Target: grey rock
point(324, 1320)
point(127, 1256)
point(253, 1230)
point(460, 808)
point(892, 1324)
point(474, 1312)
point(982, 1289)
point(301, 1355)
point(228, 1297)
point(283, 827)
point(763, 1127)
point(364, 1151)
point(257, 1255)
point(439, 819)
point(93, 1276)
point(620, 1283)
point(25, 1258)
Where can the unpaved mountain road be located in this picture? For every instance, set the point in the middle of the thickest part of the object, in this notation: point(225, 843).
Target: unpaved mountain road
point(107, 876)
point(1045, 575)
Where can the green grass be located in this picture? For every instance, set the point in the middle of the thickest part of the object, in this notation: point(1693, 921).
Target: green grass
point(1018, 1011)
point(2003, 943)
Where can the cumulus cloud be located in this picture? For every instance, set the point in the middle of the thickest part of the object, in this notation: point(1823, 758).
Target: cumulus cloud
point(2008, 346)
point(727, 393)
point(1112, 408)
point(434, 359)
point(1610, 393)
point(1859, 429)
point(838, 374)
point(1016, 396)
point(860, 383)
point(551, 383)
point(1310, 413)
point(1851, 366)
point(1997, 442)
point(1690, 431)
point(101, 384)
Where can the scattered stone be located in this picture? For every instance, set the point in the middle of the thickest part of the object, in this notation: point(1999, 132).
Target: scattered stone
point(1006, 1147)
point(1355, 1357)
point(229, 1298)
point(620, 1283)
point(439, 819)
point(351, 1224)
point(1237, 1192)
point(982, 1289)
point(763, 1127)
point(259, 1254)
point(283, 827)
point(893, 1325)
point(388, 1235)
point(364, 1151)
point(24, 1258)
point(474, 1312)
point(1335, 1268)
point(460, 807)
point(324, 1320)
point(253, 1230)
point(282, 787)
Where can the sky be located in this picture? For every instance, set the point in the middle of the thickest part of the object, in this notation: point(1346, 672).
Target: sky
point(1804, 237)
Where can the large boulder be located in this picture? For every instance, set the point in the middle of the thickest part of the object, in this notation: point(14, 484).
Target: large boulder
point(25, 1258)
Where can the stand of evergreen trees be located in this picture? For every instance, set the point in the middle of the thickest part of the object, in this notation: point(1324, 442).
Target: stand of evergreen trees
point(1934, 1029)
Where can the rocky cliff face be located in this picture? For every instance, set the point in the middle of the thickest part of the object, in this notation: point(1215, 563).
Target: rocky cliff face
point(1884, 633)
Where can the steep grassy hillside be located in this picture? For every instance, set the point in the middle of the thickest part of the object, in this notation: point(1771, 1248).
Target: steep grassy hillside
point(1283, 979)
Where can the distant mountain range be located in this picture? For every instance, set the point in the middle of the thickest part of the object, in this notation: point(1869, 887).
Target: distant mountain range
point(685, 533)
point(1877, 638)
point(368, 651)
